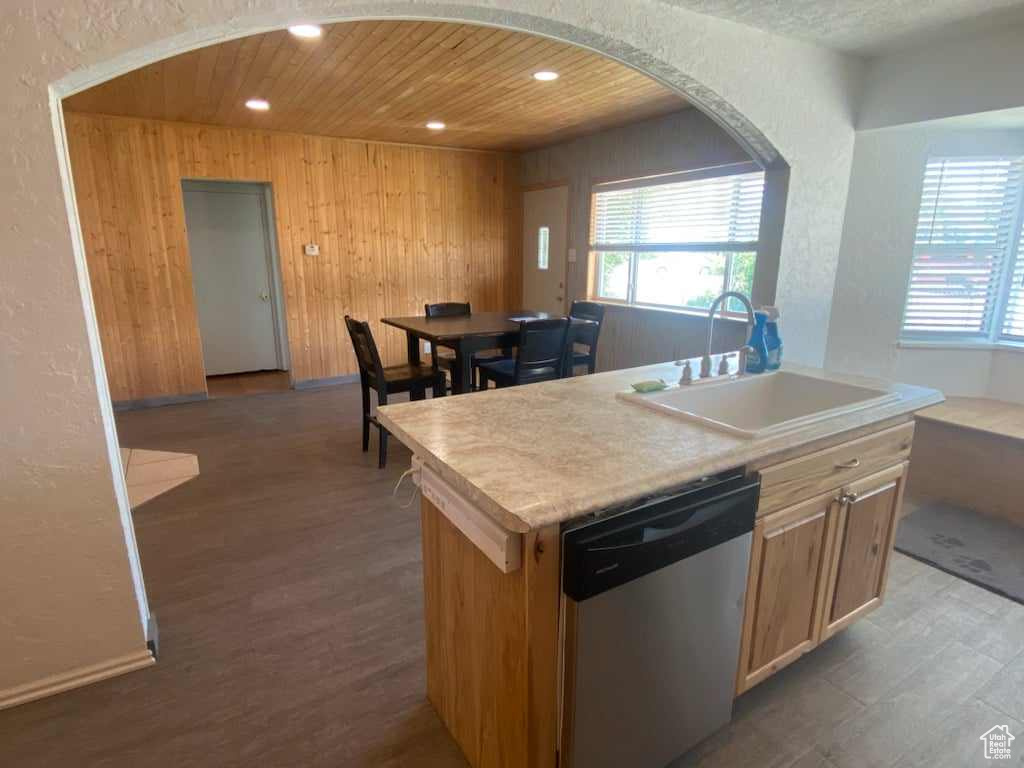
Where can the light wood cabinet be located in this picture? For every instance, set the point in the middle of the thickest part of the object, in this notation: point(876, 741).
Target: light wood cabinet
point(866, 521)
point(821, 550)
point(786, 587)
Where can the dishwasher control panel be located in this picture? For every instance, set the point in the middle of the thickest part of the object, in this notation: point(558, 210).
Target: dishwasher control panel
point(611, 551)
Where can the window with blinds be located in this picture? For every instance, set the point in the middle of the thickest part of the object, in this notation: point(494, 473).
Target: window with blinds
point(678, 240)
point(968, 233)
point(1013, 317)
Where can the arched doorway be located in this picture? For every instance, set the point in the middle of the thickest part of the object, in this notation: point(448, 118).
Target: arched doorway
point(722, 112)
point(800, 96)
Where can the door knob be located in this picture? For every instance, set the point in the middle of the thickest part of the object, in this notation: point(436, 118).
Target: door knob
point(264, 296)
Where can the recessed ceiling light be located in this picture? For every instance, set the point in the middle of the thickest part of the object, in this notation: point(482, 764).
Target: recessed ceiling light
point(435, 125)
point(306, 30)
point(545, 75)
point(260, 105)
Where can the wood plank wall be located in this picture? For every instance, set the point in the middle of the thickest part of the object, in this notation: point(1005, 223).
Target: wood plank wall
point(397, 226)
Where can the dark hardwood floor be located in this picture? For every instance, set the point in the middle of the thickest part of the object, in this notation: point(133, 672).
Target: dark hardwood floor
point(286, 581)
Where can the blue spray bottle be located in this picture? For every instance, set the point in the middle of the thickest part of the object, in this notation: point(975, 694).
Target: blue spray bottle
point(757, 359)
point(772, 340)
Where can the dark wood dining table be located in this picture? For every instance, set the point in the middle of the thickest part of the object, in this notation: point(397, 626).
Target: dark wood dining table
point(465, 335)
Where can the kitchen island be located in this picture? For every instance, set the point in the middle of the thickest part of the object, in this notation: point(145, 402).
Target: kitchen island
point(504, 472)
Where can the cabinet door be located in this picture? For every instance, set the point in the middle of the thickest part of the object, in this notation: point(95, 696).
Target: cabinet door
point(865, 530)
point(785, 587)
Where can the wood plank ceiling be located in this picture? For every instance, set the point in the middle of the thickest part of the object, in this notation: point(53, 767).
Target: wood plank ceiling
point(384, 80)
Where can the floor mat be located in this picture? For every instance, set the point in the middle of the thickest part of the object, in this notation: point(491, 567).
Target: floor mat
point(983, 550)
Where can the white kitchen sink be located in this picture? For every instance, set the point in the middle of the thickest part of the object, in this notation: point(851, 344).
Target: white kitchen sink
point(762, 405)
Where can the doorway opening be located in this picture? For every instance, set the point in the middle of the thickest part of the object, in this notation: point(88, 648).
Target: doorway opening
point(236, 281)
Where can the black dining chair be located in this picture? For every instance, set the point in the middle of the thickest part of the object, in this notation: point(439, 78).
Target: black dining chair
point(448, 309)
point(390, 380)
point(442, 357)
point(540, 355)
point(585, 335)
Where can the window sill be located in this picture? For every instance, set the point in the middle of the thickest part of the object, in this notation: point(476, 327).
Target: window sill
point(972, 346)
point(700, 314)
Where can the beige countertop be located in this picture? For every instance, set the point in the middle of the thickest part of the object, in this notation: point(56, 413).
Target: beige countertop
point(547, 453)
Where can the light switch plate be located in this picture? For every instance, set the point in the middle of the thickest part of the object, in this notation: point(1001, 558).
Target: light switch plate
point(311, 249)
point(572, 256)
point(426, 347)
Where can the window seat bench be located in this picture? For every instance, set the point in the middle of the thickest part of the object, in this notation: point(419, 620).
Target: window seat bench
point(969, 452)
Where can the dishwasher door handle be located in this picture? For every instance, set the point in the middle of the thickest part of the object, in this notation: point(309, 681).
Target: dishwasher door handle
point(656, 536)
point(698, 515)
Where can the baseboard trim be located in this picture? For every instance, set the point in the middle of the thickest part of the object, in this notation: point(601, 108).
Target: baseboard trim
point(153, 636)
point(76, 678)
point(330, 381)
point(156, 402)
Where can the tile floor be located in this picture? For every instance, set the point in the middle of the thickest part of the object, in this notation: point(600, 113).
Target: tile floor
point(915, 684)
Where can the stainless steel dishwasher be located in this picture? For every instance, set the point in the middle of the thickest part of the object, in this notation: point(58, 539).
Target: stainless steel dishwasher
point(659, 591)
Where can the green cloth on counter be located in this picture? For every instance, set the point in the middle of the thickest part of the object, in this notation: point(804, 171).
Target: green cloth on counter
point(651, 385)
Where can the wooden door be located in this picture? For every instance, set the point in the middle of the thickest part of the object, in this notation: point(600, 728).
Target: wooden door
point(785, 587)
point(865, 530)
point(545, 237)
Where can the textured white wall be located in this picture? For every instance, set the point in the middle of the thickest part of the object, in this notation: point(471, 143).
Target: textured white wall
point(878, 237)
point(865, 27)
point(962, 76)
point(66, 597)
point(876, 256)
point(1006, 376)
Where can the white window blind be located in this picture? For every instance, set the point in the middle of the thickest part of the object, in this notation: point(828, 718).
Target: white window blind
point(717, 213)
point(680, 240)
point(966, 232)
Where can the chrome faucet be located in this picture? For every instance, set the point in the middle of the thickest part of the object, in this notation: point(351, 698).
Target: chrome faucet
point(723, 368)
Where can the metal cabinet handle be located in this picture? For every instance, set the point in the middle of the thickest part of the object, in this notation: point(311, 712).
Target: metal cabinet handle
point(851, 464)
point(849, 498)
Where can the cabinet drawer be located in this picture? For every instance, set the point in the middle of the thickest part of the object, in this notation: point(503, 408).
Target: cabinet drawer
point(830, 468)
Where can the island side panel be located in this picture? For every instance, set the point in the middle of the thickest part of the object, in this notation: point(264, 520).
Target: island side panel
point(492, 645)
